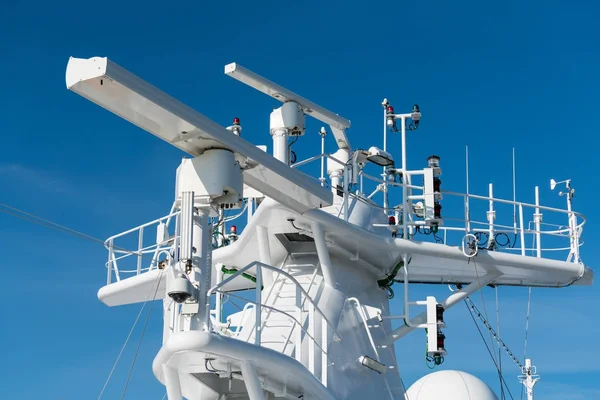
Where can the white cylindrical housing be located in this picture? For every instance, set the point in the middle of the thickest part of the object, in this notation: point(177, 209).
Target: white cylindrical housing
point(335, 168)
point(280, 146)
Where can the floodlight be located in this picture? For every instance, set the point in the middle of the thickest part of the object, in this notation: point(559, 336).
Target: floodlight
point(380, 157)
point(373, 364)
point(121, 92)
point(433, 161)
point(338, 124)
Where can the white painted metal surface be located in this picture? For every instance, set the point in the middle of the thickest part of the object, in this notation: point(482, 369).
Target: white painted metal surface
point(121, 92)
point(450, 385)
point(318, 259)
point(337, 124)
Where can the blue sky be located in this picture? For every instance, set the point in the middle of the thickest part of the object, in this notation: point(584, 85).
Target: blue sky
point(492, 76)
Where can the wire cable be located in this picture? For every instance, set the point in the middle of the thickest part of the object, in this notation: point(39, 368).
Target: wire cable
point(142, 336)
point(483, 301)
point(526, 332)
point(498, 344)
point(488, 349)
point(128, 337)
point(15, 212)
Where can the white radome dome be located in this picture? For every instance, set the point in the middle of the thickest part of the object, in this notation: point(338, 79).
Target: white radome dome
point(450, 385)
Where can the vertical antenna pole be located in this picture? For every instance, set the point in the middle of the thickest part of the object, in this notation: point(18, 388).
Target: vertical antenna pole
point(467, 199)
point(529, 378)
point(514, 171)
point(491, 215)
point(404, 188)
point(322, 133)
point(538, 219)
point(384, 175)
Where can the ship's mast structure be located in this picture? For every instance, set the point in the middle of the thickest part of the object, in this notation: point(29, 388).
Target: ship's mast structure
point(318, 256)
point(529, 378)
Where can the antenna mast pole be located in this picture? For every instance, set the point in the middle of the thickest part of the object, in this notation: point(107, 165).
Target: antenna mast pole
point(529, 378)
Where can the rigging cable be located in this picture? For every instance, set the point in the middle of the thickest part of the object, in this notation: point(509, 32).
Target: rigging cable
point(15, 212)
point(526, 330)
point(498, 344)
point(483, 301)
point(472, 306)
point(488, 348)
point(129, 336)
point(137, 350)
point(5, 208)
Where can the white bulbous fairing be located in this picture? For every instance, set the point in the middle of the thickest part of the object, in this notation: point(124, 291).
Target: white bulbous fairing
point(450, 385)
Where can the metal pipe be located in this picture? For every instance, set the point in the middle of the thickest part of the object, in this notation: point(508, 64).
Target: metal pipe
point(521, 229)
point(324, 355)
point(202, 239)
point(362, 315)
point(280, 146)
point(252, 382)
point(323, 253)
point(322, 178)
point(172, 383)
point(346, 190)
point(450, 301)
point(491, 215)
point(407, 320)
point(404, 188)
point(258, 308)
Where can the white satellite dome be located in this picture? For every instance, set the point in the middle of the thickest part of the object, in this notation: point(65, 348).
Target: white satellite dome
point(450, 385)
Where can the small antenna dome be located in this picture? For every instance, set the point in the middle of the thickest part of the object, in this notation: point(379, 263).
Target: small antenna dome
point(450, 385)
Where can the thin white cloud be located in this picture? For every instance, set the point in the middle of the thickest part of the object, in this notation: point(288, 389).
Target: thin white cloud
point(51, 183)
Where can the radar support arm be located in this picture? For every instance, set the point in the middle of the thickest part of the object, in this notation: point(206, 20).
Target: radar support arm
point(123, 93)
point(337, 124)
point(450, 301)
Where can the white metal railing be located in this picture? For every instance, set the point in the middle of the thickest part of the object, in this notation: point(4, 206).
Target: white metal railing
point(122, 260)
point(297, 321)
point(462, 224)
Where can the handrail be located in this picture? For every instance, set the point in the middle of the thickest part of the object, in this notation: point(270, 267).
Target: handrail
point(362, 315)
point(271, 268)
point(279, 311)
point(168, 217)
point(572, 230)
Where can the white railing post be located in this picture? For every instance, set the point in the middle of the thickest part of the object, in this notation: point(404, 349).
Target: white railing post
point(109, 264)
point(298, 347)
point(258, 308)
point(346, 190)
point(140, 247)
point(311, 342)
point(324, 355)
point(491, 216)
point(537, 217)
point(521, 229)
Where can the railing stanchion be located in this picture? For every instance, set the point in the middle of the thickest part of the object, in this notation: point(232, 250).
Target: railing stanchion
point(109, 264)
point(324, 355)
point(521, 229)
point(311, 342)
point(258, 309)
point(140, 247)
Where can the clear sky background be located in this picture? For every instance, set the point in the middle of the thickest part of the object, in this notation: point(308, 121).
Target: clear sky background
point(492, 76)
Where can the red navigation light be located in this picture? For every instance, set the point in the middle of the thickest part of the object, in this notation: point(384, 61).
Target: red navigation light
point(390, 110)
point(440, 341)
point(437, 182)
point(437, 210)
point(236, 121)
point(233, 229)
point(392, 220)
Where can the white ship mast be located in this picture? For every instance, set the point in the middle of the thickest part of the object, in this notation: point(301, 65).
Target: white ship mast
point(319, 261)
point(529, 378)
